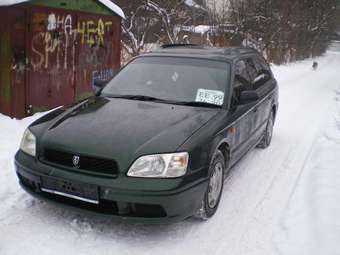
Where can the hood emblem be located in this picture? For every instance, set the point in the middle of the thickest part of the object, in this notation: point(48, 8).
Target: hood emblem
point(75, 161)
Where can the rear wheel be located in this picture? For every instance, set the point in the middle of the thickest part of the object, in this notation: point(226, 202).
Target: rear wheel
point(268, 134)
point(213, 194)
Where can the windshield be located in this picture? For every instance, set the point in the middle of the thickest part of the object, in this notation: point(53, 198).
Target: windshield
point(172, 79)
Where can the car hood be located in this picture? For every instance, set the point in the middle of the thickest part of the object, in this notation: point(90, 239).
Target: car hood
point(122, 129)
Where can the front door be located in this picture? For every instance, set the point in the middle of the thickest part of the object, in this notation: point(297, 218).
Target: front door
point(243, 114)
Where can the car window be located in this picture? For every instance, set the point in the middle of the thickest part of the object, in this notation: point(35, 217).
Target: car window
point(171, 78)
point(241, 74)
point(263, 72)
point(242, 80)
point(251, 69)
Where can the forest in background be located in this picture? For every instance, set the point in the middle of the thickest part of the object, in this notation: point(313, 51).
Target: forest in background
point(284, 31)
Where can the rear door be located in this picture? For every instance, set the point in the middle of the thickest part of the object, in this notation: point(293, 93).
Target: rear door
point(264, 84)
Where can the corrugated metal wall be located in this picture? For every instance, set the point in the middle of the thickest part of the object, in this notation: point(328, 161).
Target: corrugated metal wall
point(12, 62)
point(52, 56)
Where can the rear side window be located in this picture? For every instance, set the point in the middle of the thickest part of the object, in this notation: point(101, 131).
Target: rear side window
point(251, 69)
point(263, 72)
point(241, 74)
point(261, 64)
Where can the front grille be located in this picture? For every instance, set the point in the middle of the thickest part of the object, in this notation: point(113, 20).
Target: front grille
point(90, 164)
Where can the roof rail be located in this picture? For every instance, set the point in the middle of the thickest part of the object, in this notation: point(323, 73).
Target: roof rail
point(239, 50)
point(166, 46)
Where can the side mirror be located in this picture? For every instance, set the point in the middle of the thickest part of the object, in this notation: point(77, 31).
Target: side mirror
point(248, 96)
point(99, 84)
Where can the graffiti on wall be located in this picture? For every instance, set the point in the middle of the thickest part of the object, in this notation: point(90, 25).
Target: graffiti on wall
point(56, 46)
point(92, 33)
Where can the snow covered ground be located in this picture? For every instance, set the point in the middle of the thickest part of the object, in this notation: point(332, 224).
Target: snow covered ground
point(284, 200)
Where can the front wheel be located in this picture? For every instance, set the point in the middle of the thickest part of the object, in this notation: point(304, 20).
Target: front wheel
point(213, 194)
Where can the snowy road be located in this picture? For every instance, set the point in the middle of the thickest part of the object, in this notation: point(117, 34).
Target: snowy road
point(260, 199)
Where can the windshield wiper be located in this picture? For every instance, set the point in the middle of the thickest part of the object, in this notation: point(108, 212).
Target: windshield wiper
point(199, 104)
point(154, 99)
point(137, 97)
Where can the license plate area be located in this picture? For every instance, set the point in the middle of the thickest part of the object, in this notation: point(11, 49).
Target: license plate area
point(75, 190)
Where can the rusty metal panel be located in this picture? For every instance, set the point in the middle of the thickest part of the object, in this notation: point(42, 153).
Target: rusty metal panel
point(13, 62)
point(5, 88)
point(69, 50)
point(52, 56)
point(98, 51)
point(18, 61)
point(52, 51)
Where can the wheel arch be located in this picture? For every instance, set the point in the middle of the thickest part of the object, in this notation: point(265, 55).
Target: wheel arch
point(274, 110)
point(225, 149)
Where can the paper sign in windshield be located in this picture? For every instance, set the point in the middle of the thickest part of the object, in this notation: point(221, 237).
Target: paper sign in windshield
point(210, 96)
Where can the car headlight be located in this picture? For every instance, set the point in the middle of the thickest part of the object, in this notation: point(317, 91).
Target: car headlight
point(160, 166)
point(28, 143)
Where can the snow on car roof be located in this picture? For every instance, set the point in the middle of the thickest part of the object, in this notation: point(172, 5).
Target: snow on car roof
point(112, 6)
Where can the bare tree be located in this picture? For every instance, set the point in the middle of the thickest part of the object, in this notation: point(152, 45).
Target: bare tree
point(172, 15)
point(136, 27)
point(285, 30)
point(152, 19)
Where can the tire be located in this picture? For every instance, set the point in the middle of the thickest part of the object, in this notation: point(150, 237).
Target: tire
point(268, 133)
point(214, 191)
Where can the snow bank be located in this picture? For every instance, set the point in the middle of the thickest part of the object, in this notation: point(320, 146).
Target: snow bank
point(310, 224)
point(11, 131)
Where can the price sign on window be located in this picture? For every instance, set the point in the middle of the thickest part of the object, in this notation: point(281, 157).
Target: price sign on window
point(210, 96)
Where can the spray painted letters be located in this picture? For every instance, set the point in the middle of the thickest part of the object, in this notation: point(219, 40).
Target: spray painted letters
point(61, 37)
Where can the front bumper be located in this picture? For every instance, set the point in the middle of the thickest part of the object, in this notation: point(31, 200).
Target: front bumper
point(125, 198)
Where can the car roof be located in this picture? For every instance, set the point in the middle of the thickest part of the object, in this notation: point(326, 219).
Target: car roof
point(225, 54)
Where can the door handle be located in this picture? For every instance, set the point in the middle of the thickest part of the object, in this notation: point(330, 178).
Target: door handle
point(255, 110)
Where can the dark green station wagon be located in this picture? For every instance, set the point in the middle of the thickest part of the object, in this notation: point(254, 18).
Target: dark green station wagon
point(156, 143)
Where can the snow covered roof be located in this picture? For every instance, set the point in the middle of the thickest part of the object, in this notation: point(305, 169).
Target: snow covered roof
point(201, 29)
point(192, 3)
point(11, 2)
point(112, 6)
